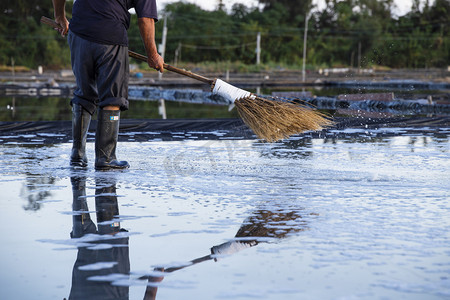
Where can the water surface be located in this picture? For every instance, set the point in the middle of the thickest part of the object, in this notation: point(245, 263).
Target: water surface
point(309, 218)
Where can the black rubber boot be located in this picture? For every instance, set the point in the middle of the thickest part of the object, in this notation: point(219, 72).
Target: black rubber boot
point(81, 119)
point(106, 141)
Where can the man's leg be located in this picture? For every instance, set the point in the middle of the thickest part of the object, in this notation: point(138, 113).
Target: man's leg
point(81, 119)
point(85, 97)
point(106, 137)
point(112, 83)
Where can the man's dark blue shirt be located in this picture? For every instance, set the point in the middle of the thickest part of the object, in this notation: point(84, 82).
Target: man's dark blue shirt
point(107, 21)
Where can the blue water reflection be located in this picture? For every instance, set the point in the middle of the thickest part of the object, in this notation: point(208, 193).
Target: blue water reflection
point(358, 216)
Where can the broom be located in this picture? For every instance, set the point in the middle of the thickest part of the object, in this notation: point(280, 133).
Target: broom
point(270, 119)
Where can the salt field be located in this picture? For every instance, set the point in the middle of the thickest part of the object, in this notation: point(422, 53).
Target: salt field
point(350, 213)
point(270, 150)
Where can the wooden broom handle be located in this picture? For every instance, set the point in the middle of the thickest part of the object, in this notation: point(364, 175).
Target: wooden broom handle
point(172, 68)
point(52, 23)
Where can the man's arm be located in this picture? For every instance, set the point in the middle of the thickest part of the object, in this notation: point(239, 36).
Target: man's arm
point(60, 16)
point(147, 30)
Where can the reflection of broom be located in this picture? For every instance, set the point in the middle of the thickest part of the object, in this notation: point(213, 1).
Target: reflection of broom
point(276, 224)
point(270, 120)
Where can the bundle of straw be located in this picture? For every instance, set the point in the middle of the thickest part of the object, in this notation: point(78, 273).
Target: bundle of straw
point(273, 120)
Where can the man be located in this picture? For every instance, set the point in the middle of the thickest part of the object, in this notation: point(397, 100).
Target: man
point(99, 53)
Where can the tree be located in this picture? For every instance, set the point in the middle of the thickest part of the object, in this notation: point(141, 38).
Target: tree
point(297, 9)
point(418, 39)
point(23, 38)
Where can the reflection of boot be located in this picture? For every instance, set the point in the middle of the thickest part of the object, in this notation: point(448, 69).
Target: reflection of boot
point(80, 125)
point(107, 208)
point(82, 223)
point(106, 141)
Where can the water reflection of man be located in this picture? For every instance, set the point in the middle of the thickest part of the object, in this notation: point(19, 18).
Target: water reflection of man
point(113, 251)
point(108, 254)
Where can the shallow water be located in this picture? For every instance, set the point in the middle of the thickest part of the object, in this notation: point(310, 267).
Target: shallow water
point(58, 108)
point(309, 218)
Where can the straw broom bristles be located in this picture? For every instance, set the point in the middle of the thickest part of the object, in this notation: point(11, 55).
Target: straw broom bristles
point(273, 120)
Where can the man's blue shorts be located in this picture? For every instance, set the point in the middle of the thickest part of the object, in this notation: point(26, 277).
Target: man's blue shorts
point(101, 72)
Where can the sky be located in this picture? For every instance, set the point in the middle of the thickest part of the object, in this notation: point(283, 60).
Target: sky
point(403, 6)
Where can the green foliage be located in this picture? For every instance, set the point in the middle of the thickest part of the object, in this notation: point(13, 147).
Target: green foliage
point(25, 40)
point(338, 35)
point(295, 9)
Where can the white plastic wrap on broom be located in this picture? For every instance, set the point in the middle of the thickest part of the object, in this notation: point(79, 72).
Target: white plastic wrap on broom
point(229, 92)
point(231, 247)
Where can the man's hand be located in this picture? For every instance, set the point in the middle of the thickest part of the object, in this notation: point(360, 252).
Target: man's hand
point(147, 30)
point(60, 16)
point(62, 21)
point(156, 62)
